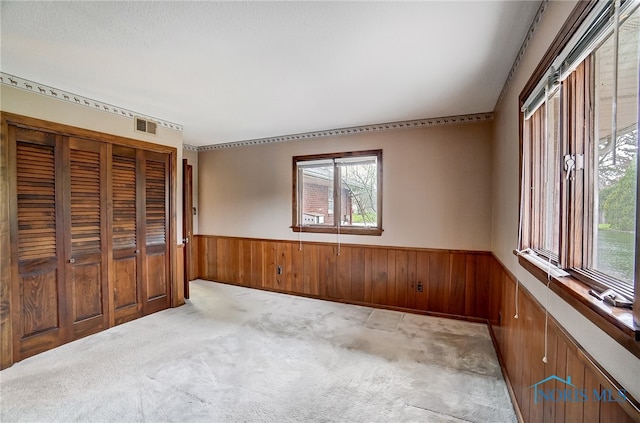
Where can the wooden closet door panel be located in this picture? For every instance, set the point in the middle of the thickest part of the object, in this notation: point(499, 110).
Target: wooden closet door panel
point(38, 291)
point(125, 235)
point(85, 240)
point(156, 212)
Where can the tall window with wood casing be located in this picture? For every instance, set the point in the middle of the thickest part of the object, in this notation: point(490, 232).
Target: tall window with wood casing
point(580, 154)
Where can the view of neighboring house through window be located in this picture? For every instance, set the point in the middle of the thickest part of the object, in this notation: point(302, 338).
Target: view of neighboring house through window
point(338, 192)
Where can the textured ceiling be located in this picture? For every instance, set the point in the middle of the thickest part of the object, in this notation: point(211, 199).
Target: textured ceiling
point(230, 71)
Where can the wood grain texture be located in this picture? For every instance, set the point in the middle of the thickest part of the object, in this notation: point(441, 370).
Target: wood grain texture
point(521, 346)
point(6, 239)
point(79, 203)
point(361, 274)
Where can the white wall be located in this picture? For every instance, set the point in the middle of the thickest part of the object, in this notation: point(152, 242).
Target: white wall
point(619, 362)
point(22, 102)
point(436, 187)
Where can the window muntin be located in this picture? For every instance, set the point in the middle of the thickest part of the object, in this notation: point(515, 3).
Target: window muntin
point(338, 192)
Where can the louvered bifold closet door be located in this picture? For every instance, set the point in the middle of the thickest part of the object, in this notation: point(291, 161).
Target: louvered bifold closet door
point(38, 289)
point(156, 210)
point(127, 265)
point(86, 238)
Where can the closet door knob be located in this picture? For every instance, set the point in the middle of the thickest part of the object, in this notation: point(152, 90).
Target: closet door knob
point(72, 260)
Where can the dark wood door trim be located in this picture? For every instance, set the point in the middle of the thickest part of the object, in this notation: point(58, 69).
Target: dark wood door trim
point(187, 221)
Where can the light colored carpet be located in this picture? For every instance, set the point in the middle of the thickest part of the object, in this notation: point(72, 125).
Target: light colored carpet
point(235, 354)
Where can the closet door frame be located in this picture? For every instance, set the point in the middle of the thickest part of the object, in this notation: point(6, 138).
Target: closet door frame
point(8, 227)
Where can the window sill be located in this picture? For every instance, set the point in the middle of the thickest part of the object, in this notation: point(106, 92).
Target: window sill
point(615, 321)
point(334, 230)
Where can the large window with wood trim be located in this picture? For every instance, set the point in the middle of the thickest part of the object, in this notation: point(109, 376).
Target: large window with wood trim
point(579, 199)
point(338, 193)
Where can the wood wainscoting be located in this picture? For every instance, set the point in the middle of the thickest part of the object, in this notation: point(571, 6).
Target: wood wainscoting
point(520, 346)
point(454, 283)
point(468, 284)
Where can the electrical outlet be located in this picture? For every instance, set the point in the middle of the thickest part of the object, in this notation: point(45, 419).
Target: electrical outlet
point(279, 270)
point(419, 287)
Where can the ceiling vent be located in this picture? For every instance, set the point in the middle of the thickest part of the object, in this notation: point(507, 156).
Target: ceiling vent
point(147, 126)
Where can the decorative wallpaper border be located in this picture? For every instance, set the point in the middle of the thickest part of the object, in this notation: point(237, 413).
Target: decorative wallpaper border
point(46, 90)
point(190, 147)
point(532, 29)
point(380, 127)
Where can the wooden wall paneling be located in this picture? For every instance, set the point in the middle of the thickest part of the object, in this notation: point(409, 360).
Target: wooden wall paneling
point(343, 275)
point(201, 257)
point(402, 278)
point(245, 269)
point(379, 275)
point(527, 352)
point(482, 288)
point(521, 347)
point(438, 282)
point(327, 276)
point(423, 278)
point(357, 274)
point(574, 411)
point(257, 264)
point(7, 209)
point(471, 279)
point(270, 268)
point(233, 260)
point(211, 263)
point(195, 258)
point(561, 372)
point(412, 278)
point(496, 281)
point(591, 409)
point(458, 282)
point(367, 275)
point(222, 261)
point(283, 266)
point(297, 268)
point(537, 368)
point(548, 407)
point(180, 251)
point(311, 268)
point(612, 412)
point(391, 278)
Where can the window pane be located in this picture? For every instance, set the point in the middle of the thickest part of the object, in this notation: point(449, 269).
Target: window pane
point(552, 170)
point(614, 240)
point(359, 192)
point(317, 195)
